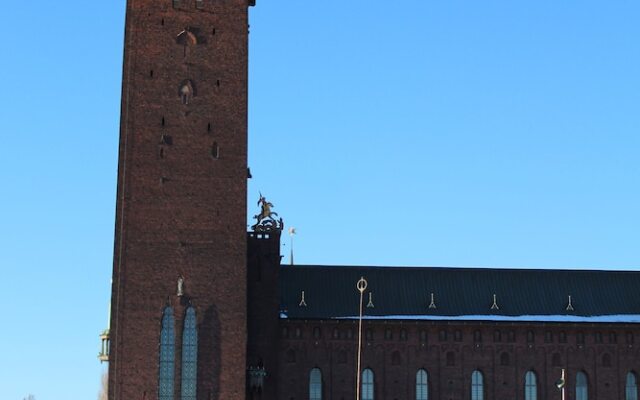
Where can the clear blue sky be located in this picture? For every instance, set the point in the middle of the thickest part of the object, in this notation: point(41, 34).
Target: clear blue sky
point(457, 133)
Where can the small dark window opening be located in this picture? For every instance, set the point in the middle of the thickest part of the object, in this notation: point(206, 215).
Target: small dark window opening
point(598, 337)
point(162, 121)
point(209, 127)
point(530, 337)
point(199, 4)
point(151, 74)
point(336, 333)
point(457, 336)
point(606, 360)
point(395, 358)
point(317, 333)
point(451, 359)
point(350, 333)
point(162, 22)
point(388, 334)
point(562, 338)
point(298, 333)
point(403, 334)
point(504, 359)
point(512, 337)
point(477, 336)
point(613, 337)
point(580, 338)
point(291, 356)
point(368, 334)
point(218, 83)
point(548, 337)
point(213, 31)
point(442, 336)
point(423, 336)
point(161, 152)
point(497, 336)
point(176, 3)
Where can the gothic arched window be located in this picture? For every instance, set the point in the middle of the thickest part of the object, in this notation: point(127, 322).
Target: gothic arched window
point(189, 355)
point(422, 385)
point(167, 355)
point(582, 391)
point(631, 387)
point(315, 384)
point(477, 386)
point(530, 386)
point(367, 384)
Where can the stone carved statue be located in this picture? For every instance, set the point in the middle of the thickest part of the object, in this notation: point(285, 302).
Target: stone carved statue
point(180, 286)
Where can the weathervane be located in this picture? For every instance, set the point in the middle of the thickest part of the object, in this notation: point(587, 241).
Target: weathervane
point(265, 221)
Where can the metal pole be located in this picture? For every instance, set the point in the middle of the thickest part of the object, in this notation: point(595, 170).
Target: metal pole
point(564, 386)
point(361, 286)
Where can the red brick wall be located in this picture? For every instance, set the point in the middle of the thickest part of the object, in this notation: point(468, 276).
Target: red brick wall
point(181, 211)
point(454, 381)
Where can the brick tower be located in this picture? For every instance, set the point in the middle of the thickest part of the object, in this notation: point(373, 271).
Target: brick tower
point(178, 324)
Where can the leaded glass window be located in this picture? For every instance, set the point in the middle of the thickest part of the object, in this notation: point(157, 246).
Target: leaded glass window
point(530, 386)
point(422, 385)
point(477, 386)
point(315, 384)
point(631, 388)
point(367, 384)
point(167, 355)
point(582, 392)
point(189, 355)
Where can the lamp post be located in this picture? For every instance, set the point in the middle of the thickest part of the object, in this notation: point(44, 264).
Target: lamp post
point(361, 286)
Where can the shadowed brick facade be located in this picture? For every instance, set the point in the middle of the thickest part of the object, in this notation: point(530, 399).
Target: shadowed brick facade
point(181, 241)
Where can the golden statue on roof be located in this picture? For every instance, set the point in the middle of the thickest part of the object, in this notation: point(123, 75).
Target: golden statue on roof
point(265, 220)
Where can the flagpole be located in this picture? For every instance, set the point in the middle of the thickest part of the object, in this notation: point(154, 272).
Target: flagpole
point(361, 286)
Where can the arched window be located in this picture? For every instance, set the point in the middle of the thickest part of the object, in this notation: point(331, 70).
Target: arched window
point(477, 386)
point(631, 388)
point(582, 392)
point(315, 384)
point(167, 355)
point(367, 384)
point(422, 385)
point(189, 355)
point(530, 386)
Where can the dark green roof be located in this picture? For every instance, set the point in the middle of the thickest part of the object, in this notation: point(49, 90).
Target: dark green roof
point(405, 293)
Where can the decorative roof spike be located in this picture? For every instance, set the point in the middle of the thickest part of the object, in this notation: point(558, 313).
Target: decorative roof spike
point(570, 306)
point(495, 306)
point(302, 302)
point(432, 305)
point(370, 304)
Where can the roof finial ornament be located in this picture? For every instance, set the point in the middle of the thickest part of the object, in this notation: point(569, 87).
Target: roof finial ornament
point(570, 306)
point(432, 305)
point(370, 304)
point(265, 221)
point(495, 306)
point(292, 232)
point(303, 303)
